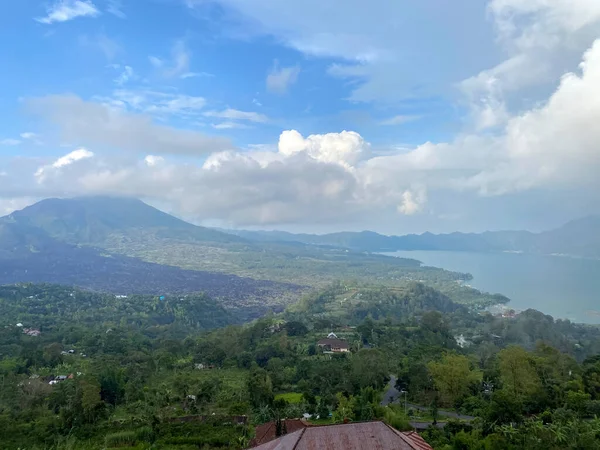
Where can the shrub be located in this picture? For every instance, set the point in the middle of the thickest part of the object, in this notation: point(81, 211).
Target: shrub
point(121, 439)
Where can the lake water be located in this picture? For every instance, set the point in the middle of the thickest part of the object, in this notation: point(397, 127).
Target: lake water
point(566, 288)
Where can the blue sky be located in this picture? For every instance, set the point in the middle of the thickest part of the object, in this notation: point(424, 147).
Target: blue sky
point(229, 65)
point(245, 101)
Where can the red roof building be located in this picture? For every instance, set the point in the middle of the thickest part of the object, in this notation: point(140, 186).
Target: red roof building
point(268, 431)
point(351, 436)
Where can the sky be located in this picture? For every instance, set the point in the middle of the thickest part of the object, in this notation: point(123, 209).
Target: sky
point(313, 116)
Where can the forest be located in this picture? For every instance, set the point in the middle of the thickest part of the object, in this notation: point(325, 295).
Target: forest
point(85, 370)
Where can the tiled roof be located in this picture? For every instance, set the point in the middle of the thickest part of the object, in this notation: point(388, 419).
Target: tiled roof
point(352, 436)
point(337, 343)
point(267, 431)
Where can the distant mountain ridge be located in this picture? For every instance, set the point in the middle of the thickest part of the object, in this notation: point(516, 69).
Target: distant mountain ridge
point(579, 238)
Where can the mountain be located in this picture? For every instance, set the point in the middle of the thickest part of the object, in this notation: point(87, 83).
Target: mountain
point(77, 242)
point(93, 220)
point(577, 238)
point(125, 246)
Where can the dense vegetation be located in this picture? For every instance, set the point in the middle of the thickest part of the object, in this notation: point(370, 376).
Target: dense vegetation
point(141, 371)
point(146, 361)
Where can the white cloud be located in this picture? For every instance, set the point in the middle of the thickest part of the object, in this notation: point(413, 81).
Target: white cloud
point(179, 64)
point(541, 38)
point(344, 148)
point(72, 157)
point(399, 120)
point(126, 75)
point(109, 47)
point(28, 135)
point(333, 177)
point(152, 160)
point(66, 160)
point(89, 123)
point(65, 10)
point(155, 61)
point(234, 114)
point(187, 75)
point(228, 125)
point(412, 203)
point(280, 79)
point(385, 59)
point(10, 142)
point(156, 103)
point(115, 7)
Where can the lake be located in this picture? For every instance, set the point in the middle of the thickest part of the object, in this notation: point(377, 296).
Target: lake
point(563, 287)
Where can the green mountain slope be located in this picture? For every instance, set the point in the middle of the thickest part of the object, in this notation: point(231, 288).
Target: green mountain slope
point(94, 220)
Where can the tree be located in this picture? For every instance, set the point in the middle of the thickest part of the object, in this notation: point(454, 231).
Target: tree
point(504, 408)
point(345, 408)
point(517, 372)
point(369, 368)
point(90, 399)
point(295, 328)
point(260, 388)
point(453, 376)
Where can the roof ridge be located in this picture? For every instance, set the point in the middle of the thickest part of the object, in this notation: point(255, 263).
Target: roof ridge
point(299, 438)
point(399, 433)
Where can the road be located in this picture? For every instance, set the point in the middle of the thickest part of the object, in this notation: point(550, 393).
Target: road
point(392, 395)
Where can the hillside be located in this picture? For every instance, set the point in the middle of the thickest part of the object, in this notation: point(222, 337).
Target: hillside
point(350, 305)
point(576, 238)
point(125, 246)
point(94, 220)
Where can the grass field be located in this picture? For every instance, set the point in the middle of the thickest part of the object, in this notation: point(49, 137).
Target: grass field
point(290, 397)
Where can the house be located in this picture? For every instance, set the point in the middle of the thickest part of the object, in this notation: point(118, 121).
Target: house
point(31, 332)
point(350, 436)
point(267, 432)
point(333, 345)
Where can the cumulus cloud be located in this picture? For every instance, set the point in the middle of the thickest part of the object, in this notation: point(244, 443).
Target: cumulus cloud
point(412, 202)
point(541, 38)
point(327, 177)
point(280, 79)
point(344, 148)
point(89, 123)
point(65, 10)
point(66, 160)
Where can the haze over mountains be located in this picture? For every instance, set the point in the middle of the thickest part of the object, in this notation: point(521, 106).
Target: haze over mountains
point(577, 238)
point(105, 222)
point(124, 246)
